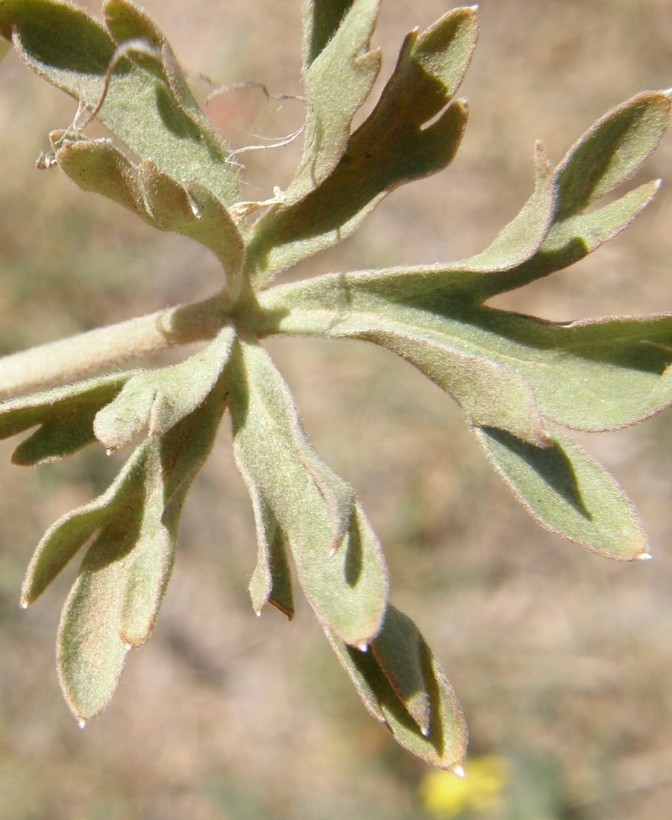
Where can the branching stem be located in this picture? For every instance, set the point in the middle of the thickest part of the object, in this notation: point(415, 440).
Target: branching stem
point(107, 347)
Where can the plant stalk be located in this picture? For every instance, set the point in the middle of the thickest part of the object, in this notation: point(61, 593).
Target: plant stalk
point(86, 354)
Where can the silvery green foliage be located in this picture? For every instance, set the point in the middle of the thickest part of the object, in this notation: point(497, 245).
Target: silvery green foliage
point(521, 382)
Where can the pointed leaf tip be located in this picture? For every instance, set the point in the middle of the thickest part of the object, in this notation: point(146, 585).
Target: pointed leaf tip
point(402, 685)
point(611, 151)
point(115, 599)
point(301, 506)
point(414, 130)
point(568, 493)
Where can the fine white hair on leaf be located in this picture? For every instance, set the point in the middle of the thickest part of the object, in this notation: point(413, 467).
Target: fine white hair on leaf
point(137, 46)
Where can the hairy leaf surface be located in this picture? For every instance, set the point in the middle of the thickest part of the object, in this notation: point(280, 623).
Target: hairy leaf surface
point(115, 600)
point(156, 400)
point(387, 150)
point(568, 493)
point(145, 103)
point(403, 686)
point(63, 417)
point(517, 378)
point(337, 556)
point(337, 82)
point(189, 209)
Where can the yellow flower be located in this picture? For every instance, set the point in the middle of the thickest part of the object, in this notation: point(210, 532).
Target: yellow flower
point(446, 795)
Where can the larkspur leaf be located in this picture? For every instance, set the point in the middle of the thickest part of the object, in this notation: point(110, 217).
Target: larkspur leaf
point(604, 157)
point(431, 285)
point(569, 241)
point(447, 351)
point(156, 400)
point(611, 151)
point(515, 377)
point(595, 375)
point(65, 537)
point(177, 458)
point(347, 587)
point(189, 209)
point(401, 672)
point(67, 47)
point(64, 418)
point(387, 150)
point(568, 493)
point(113, 603)
point(374, 306)
point(180, 464)
point(115, 600)
point(337, 82)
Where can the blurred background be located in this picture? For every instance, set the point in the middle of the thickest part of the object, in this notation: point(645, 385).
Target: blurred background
point(562, 660)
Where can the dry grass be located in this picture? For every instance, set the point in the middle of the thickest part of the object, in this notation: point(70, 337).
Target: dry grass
point(561, 660)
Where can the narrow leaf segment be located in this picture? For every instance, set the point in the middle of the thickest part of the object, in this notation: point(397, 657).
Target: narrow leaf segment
point(165, 203)
point(63, 417)
point(300, 504)
point(413, 131)
point(403, 686)
point(568, 492)
point(114, 602)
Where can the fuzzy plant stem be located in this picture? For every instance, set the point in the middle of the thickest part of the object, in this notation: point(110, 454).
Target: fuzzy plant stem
point(107, 347)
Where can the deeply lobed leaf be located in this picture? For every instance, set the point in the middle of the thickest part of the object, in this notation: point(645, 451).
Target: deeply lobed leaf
point(403, 686)
point(156, 400)
point(146, 103)
point(413, 131)
point(516, 378)
point(506, 370)
point(115, 600)
point(594, 375)
point(300, 503)
point(189, 209)
point(604, 157)
point(64, 418)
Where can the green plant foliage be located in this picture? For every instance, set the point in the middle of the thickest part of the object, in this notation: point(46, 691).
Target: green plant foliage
point(391, 147)
point(190, 208)
point(338, 558)
point(520, 381)
point(129, 67)
point(402, 685)
point(65, 417)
